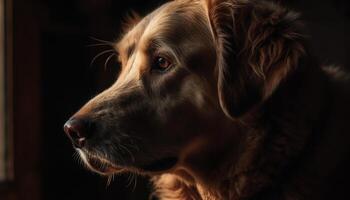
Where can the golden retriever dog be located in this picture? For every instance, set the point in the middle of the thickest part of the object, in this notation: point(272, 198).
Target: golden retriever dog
point(220, 100)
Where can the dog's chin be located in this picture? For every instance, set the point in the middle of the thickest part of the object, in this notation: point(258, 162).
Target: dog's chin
point(105, 167)
point(99, 165)
point(102, 167)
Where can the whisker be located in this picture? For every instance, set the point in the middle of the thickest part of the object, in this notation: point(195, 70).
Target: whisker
point(108, 59)
point(76, 157)
point(130, 179)
point(118, 156)
point(102, 41)
point(96, 45)
point(135, 182)
point(100, 54)
point(127, 150)
point(109, 180)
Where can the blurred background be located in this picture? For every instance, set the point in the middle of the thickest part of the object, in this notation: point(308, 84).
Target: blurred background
point(46, 74)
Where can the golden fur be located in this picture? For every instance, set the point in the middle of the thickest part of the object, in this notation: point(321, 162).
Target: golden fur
point(238, 109)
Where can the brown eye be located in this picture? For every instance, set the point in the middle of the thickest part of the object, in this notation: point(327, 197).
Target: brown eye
point(161, 64)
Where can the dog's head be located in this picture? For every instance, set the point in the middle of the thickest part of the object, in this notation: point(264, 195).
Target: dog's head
point(191, 71)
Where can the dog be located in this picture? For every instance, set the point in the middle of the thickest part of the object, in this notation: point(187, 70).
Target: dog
point(220, 99)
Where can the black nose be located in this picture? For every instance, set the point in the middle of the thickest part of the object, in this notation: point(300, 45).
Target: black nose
point(77, 130)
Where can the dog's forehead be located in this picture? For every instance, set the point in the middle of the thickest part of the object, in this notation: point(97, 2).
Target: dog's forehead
point(161, 23)
point(135, 33)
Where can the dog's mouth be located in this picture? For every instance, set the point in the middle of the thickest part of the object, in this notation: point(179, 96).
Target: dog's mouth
point(105, 167)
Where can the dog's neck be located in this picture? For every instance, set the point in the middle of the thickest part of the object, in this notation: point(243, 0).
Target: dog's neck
point(284, 127)
point(283, 130)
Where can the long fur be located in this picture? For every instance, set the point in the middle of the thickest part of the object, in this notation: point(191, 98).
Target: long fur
point(243, 112)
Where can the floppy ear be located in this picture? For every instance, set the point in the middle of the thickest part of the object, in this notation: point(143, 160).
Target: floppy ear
point(258, 45)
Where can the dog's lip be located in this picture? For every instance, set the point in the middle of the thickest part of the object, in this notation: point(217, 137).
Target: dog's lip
point(105, 167)
point(102, 167)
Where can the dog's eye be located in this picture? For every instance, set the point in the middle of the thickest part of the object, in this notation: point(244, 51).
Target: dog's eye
point(161, 64)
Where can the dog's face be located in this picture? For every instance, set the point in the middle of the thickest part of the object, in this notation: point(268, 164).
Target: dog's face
point(162, 100)
point(176, 92)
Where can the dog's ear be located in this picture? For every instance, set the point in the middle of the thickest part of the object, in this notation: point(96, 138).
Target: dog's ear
point(258, 45)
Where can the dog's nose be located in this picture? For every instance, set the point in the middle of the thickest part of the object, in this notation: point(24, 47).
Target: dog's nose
point(77, 130)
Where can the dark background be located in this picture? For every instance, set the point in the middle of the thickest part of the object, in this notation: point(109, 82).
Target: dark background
point(53, 78)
